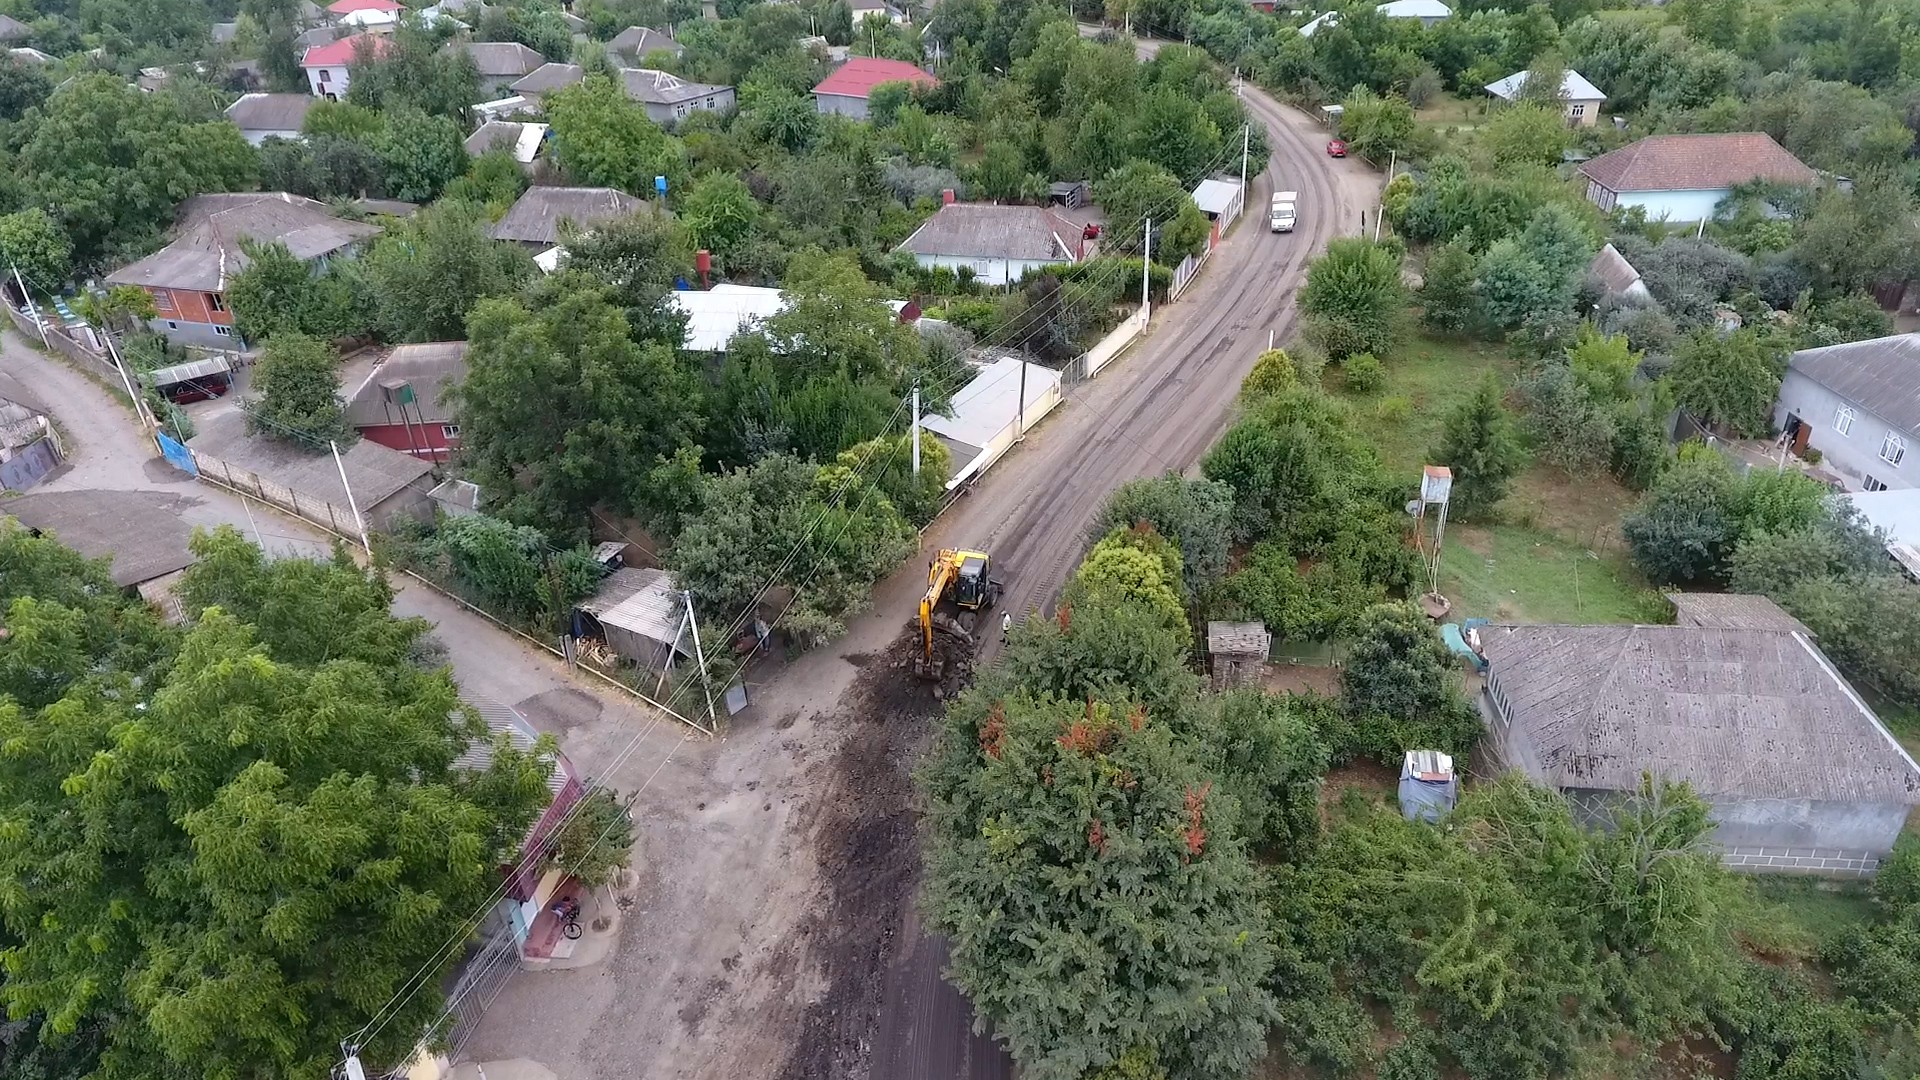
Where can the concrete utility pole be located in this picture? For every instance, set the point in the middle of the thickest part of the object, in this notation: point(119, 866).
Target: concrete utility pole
point(700, 657)
point(915, 429)
point(1020, 434)
point(1146, 273)
point(1246, 144)
point(147, 420)
point(359, 522)
point(27, 297)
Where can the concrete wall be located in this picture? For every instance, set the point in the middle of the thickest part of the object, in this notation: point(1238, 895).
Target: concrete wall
point(840, 105)
point(1855, 455)
point(719, 101)
point(327, 82)
point(1808, 823)
point(408, 503)
point(989, 271)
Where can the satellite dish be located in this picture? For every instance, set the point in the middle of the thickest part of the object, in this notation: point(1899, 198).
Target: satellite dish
point(1413, 507)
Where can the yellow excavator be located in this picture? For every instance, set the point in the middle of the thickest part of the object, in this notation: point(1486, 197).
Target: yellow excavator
point(965, 579)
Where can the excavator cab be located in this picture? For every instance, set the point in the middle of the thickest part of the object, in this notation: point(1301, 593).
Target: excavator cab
point(972, 587)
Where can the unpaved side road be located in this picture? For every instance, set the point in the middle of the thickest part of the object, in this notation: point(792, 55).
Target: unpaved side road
point(772, 936)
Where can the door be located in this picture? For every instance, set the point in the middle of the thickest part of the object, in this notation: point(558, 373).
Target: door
point(1799, 431)
point(28, 467)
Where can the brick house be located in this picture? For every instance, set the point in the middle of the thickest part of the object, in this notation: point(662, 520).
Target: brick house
point(188, 278)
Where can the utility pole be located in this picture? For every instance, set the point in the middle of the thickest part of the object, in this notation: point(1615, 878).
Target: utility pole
point(1021, 434)
point(1146, 273)
point(700, 657)
point(28, 298)
point(139, 407)
point(1246, 143)
point(915, 429)
point(359, 522)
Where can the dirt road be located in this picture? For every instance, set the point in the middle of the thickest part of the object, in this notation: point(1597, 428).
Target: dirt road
point(773, 935)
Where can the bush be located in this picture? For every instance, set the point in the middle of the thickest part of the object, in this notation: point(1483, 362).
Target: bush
point(1394, 410)
point(1365, 374)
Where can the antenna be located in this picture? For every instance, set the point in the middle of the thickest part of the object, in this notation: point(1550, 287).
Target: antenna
point(1436, 487)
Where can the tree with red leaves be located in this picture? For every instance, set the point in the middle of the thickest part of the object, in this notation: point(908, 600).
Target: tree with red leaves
point(1100, 903)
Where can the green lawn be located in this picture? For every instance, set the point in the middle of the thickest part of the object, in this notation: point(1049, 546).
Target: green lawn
point(1446, 110)
point(1425, 379)
point(1517, 573)
point(1789, 917)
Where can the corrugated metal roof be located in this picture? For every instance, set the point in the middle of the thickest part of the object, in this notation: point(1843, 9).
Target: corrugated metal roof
point(1573, 87)
point(376, 472)
point(430, 368)
point(1882, 374)
point(1238, 637)
point(506, 720)
point(985, 406)
point(643, 602)
point(1731, 611)
point(1215, 196)
point(192, 369)
point(1743, 713)
point(990, 231)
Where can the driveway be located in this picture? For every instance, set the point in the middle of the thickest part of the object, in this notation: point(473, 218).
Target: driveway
point(776, 935)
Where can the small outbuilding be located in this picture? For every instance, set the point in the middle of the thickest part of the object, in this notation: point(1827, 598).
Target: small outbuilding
point(1237, 653)
point(640, 615)
point(143, 534)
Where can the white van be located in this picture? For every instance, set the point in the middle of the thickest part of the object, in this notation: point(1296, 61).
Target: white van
point(1280, 218)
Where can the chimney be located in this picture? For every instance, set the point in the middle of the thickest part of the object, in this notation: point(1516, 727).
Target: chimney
point(946, 197)
point(703, 262)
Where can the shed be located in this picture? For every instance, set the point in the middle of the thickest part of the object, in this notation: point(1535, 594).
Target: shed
point(1429, 787)
point(456, 498)
point(387, 484)
point(639, 613)
point(1616, 275)
point(1220, 200)
point(1236, 653)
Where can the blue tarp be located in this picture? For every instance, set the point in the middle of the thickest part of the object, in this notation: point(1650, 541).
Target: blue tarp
point(176, 454)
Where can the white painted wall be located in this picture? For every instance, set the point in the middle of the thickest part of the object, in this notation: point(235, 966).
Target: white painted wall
point(1674, 205)
point(840, 105)
point(324, 81)
point(991, 271)
point(1855, 454)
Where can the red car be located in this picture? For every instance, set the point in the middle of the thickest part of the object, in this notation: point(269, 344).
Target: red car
point(1336, 148)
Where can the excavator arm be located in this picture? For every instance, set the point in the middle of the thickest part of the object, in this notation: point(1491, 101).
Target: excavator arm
point(938, 575)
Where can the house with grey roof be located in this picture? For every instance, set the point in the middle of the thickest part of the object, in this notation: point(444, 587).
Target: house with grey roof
point(996, 244)
point(29, 447)
point(669, 98)
point(1798, 772)
point(1580, 100)
point(404, 402)
point(388, 486)
point(500, 63)
point(142, 534)
point(1859, 405)
point(636, 42)
point(270, 116)
point(540, 215)
point(520, 139)
point(1731, 611)
point(12, 29)
point(188, 278)
point(545, 79)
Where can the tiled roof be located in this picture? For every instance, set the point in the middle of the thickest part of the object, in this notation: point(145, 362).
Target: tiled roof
point(1731, 611)
point(549, 77)
point(1696, 163)
point(1613, 270)
point(858, 76)
point(638, 41)
point(498, 59)
point(270, 112)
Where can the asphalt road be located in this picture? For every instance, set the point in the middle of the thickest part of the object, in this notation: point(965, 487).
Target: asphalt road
point(1156, 410)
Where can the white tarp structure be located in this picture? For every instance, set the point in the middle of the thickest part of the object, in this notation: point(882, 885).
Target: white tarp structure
point(1896, 513)
point(1220, 200)
point(987, 418)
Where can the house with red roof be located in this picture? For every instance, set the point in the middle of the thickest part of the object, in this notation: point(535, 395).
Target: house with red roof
point(326, 66)
point(1684, 177)
point(844, 93)
point(347, 7)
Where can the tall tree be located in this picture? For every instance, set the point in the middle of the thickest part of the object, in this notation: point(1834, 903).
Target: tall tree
point(429, 271)
point(1729, 380)
point(1196, 515)
point(1152, 963)
point(562, 409)
point(602, 138)
point(222, 865)
point(298, 381)
point(1448, 303)
point(1481, 447)
point(1402, 687)
point(35, 247)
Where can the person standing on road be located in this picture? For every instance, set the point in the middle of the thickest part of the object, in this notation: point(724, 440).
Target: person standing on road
point(1006, 627)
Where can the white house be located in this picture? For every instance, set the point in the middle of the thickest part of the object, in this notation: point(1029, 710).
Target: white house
point(1859, 405)
point(1428, 12)
point(999, 244)
point(1684, 177)
point(844, 93)
point(1582, 99)
point(326, 66)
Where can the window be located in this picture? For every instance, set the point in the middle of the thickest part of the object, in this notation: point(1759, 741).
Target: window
point(1893, 449)
point(223, 331)
point(217, 301)
point(679, 110)
point(1870, 484)
point(326, 75)
point(1576, 110)
point(450, 431)
point(171, 325)
point(709, 103)
point(1843, 420)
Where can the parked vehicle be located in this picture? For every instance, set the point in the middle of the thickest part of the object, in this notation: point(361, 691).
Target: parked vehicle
point(1336, 148)
point(1280, 217)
